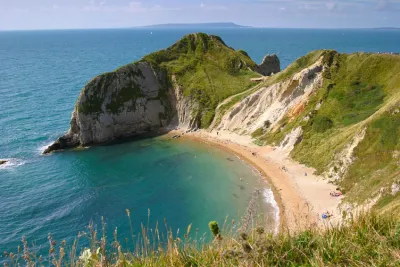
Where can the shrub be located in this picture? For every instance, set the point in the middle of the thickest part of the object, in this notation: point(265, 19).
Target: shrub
point(322, 123)
point(214, 228)
point(257, 133)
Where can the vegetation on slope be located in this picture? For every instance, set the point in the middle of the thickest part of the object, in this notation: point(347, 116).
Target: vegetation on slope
point(204, 66)
point(359, 91)
point(207, 70)
point(367, 241)
point(298, 65)
point(292, 69)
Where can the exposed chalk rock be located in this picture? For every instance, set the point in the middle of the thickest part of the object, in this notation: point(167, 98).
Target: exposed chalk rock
point(273, 102)
point(131, 100)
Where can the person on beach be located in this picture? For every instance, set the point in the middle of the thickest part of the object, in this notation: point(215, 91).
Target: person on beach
point(326, 215)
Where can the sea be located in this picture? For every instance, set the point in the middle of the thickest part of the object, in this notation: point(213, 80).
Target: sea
point(173, 182)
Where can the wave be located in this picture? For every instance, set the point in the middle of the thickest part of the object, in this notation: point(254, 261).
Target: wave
point(42, 148)
point(268, 197)
point(12, 163)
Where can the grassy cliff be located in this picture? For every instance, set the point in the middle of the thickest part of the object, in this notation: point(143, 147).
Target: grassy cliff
point(207, 69)
point(359, 97)
point(204, 66)
point(360, 92)
point(367, 241)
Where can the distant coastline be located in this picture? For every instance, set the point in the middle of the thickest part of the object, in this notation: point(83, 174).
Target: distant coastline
point(230, 25)
point(388, 28)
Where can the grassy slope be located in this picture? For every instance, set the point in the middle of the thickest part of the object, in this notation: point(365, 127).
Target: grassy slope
point(360, 90)
point(207, 69)
point(367, 241)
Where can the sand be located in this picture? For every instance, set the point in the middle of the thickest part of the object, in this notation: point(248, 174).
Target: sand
point(301, 195)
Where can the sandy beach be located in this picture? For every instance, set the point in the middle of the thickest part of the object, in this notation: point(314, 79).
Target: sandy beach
point(301, 195)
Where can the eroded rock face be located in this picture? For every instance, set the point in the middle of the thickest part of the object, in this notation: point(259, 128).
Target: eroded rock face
point(129, 101)
point(269, 65)
point(273, 102)
point(185, 117)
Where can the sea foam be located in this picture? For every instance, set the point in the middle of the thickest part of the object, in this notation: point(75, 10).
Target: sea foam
point(268, 197)
point(11, 163)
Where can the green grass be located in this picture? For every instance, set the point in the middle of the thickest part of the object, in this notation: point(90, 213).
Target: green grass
point(295, 67)
point(369, 240)
point(376, 165)
point(257, 133)
point(359, 91)
point(207, 69)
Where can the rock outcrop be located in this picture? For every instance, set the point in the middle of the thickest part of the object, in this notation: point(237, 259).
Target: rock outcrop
point(3, 162)
point(185, 108)
point(176, 87)
point(269, 65)
point(129, 101)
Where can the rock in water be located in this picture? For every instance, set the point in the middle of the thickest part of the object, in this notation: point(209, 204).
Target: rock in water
point(3, 162)
point(269, 65)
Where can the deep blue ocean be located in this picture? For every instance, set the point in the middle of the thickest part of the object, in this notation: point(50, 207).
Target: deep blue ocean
point(41, 75)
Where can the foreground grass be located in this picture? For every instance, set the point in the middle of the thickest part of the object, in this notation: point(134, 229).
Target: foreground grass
point(367, 241)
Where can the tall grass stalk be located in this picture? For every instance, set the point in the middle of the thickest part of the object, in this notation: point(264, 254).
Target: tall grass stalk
point(363, 240)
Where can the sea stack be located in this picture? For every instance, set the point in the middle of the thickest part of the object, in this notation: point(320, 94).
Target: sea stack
point(269, 65)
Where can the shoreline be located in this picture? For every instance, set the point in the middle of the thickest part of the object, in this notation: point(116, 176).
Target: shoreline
point(301, 196)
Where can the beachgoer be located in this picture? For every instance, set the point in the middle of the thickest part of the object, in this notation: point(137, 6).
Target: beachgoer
point(326, 215)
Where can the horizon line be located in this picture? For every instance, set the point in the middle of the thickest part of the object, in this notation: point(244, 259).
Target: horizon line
point(233, 28)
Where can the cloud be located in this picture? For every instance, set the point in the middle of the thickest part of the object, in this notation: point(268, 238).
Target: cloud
point(136, 7)
point(383, 5)
point(331, 6)
point(212, 7)
point(133, 7)
point(161, 8)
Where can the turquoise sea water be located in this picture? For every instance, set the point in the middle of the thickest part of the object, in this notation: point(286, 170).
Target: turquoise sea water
point(41, 74)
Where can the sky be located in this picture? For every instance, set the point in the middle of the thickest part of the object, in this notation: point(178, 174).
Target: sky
point(83, 14)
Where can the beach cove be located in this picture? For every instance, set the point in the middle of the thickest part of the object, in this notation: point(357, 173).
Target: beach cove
point(63, 192)
point(301, 195)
